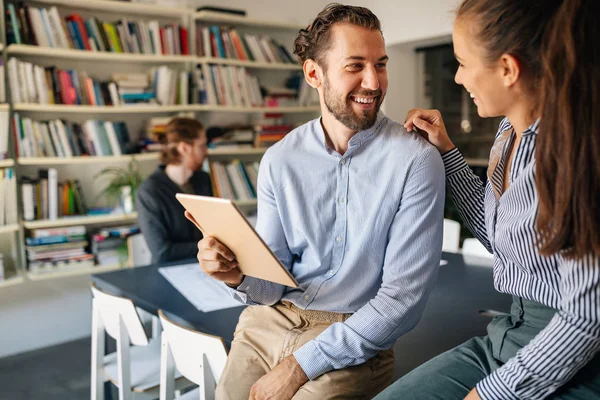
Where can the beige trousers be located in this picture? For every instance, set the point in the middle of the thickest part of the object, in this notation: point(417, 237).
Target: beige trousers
point(265, 335)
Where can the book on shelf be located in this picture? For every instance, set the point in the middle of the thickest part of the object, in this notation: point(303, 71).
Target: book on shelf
point(35, 84)
point(57, 138)
point(2, 273)
point(234, 180)
point(227, 85)
point(46, 27)
point(8, 197)
point(44, 197)
point(109, 245)
point(57, 248)
point(4, 133)
point(215, 41)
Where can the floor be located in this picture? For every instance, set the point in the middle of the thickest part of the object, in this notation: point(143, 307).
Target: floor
point(57, 372)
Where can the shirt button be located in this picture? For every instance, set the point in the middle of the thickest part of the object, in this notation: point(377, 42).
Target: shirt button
point(247, 287)
point(341, 200)
point(338, 239)
point(343, 162)
point(306, 297)
point(330, 272)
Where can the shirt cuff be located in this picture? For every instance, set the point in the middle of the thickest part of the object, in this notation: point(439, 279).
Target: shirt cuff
point(494, 388)
point(311, 360)
point(453, 161)
point(239, 292)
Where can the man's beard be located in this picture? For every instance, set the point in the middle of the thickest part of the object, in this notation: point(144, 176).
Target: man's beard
point(343, 111)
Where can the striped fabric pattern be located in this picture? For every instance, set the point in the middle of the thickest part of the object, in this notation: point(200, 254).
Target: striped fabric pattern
point(506, 226)
point(361, 233)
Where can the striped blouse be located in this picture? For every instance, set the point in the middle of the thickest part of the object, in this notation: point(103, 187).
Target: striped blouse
point(505, 224)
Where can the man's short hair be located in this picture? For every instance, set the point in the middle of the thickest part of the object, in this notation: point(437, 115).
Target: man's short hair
point(313, 41)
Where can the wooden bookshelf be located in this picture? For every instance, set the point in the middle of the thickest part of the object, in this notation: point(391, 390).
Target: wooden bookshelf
point(86, 159)
point(221, 18)
point(9, 162)
point(9, 228)
point(233, 152)
point(58, 273)
point(13, 280)
point(80, 220)
point(279, 110)
point(248, 64)
point(85, 55)
point(120, 7)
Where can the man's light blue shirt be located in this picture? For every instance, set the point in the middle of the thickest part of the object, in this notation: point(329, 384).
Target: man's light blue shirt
point(360, 232)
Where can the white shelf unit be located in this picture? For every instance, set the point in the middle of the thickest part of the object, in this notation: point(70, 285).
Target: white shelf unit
point(152, 109)
point(4, 106)
point(85, 55)
point(14, 280)
point(58, 273)
point(80, 220)
point(116, 62)
point(220, 18)
point(248, 64)
point(12, 228)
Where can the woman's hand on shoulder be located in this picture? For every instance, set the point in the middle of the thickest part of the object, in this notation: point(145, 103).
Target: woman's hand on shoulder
point(430, 125)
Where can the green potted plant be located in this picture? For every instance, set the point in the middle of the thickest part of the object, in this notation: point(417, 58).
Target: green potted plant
point(122, 185)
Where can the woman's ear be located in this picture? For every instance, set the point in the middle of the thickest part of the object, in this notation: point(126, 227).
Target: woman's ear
point(511, 69)
point(313, 73)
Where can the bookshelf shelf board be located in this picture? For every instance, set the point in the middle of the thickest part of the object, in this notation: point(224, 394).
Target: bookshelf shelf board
point(14, 280)
point(477, 162)
point(73, 54)
point(71, 272)
point(4, 106)
point(9, 228)
point(278, 110)
point(246, 203)
point(1, 46)
point(240, 20)
point(74, 109)
point(118, 7)
point(236, 152)
point(84, 159)
point(248, 64)
point(9, 162)
point(85, 220)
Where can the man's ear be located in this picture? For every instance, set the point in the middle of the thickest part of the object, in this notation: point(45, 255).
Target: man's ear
point(183, 147)
point(313, 73)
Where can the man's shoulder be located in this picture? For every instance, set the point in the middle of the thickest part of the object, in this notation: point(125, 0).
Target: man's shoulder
point(399, 140)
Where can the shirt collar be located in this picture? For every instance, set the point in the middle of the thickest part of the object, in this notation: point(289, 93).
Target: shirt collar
point(358, 139)
point(533, 129)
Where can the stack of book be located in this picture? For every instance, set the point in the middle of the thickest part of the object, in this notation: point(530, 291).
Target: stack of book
point(8, 197)
point(280, 97)
point(59, 139)
point(58, 248)
point(225, 42)
point(44, 197)
point(46, 27)
point(227, 86)
point(268, 135)
point(109, 245)
point(234, 139)
point(234, 180)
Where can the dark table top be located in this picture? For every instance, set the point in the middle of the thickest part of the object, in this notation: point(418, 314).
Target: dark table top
point(461, 291)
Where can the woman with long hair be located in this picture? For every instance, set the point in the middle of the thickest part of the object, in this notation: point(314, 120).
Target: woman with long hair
point(538, 64)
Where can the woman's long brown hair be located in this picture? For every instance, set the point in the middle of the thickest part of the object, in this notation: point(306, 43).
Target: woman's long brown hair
point(557, 43)
point(568, 145)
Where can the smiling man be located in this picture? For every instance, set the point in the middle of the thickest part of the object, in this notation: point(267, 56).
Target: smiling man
point(352, 205)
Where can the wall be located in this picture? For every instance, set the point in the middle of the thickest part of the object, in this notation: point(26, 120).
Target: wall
point(39, 314)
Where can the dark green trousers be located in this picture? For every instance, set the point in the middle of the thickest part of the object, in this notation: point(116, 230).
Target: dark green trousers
point(453, 374)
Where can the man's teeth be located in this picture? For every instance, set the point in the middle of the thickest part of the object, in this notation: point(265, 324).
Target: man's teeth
point(472, 95)
point(364, 100)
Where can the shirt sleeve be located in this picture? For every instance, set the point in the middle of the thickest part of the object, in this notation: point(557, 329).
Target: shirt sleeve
point(156, 232)
point(571, 339)
point(468, 193)
point(269, 227)
point(410, 268)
